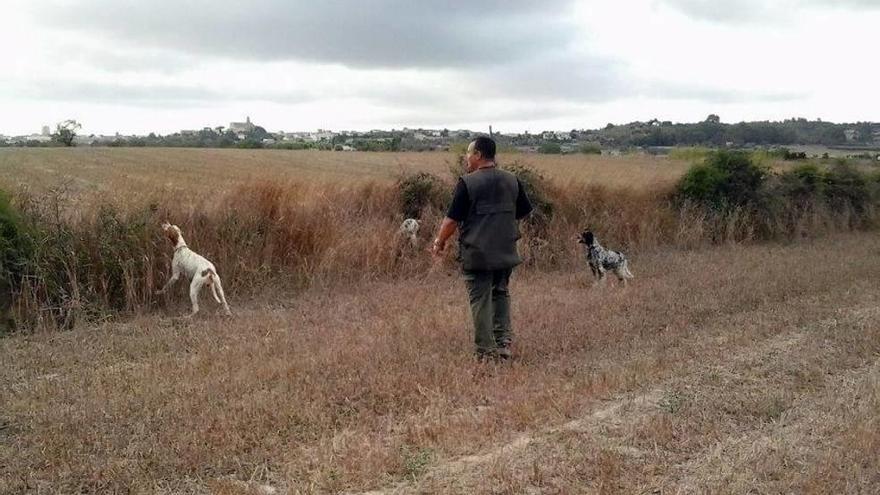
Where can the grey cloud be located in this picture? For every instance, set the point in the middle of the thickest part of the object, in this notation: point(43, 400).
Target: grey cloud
point(758, 11)
point(380, 33)
point(502, 113)
point(158, 61)
point(584, 79)
point(149, 95)
point(845, 4)
point(560, 76)
point(679, 91)
point(551, 87)
point(134, 60)
point(502, 51)
point(730, 11)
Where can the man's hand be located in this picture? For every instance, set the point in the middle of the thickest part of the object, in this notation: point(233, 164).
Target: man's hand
point(437, 249)
point(447, 228)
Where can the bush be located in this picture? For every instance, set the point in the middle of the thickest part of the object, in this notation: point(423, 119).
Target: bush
point(550, 149)
point(249, 144)
point(726, 179)
point(15, 254)
point(537, 188)
point(846, 187)
point(787, 154)
point(689, 153)
point(802, 184)
point(419, 191)
point(590, 149)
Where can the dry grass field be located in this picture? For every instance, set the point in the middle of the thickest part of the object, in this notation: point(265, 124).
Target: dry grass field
point(129, 170)
point(731, 368)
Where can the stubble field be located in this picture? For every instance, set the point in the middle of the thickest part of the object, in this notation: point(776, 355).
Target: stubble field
point(724, 368)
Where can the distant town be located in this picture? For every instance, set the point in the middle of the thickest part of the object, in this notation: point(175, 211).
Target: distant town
point(859, 139)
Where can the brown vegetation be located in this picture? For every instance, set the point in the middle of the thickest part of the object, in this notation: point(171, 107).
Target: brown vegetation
point(743, 355)
point(131, 171)
point(725, 367)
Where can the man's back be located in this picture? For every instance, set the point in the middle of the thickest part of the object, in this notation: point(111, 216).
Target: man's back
point(489, 231)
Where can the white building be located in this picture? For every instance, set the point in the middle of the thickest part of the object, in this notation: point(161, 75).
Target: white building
point(245, 127)
point(322, 135)
point(40, 138)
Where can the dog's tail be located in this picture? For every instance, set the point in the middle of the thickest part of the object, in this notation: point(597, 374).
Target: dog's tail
point(209, 274)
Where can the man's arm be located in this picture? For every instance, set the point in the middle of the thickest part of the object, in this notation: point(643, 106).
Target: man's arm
point(458, 211)
point(447, 228)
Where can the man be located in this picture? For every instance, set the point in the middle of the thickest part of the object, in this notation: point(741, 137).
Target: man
point(486, 206)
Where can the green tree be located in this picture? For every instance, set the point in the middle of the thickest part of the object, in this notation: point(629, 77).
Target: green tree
point(258, 134)
point(65, 132)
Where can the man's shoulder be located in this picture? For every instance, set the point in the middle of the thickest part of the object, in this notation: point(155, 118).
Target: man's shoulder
point(497, 174)
point(507, 174)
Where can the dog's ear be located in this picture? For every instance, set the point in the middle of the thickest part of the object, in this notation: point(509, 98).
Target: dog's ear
point(171, 233)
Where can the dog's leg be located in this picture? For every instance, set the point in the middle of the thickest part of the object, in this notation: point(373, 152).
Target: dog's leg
point(175, 274)
point(194, 288)
point(217, 287)
point(624, 274)
point(595, 273)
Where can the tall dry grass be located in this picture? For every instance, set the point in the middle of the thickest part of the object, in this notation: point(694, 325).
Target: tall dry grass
point(355, 388)
point(92, 263)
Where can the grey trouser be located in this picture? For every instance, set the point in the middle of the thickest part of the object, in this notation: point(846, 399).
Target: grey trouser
point(490, 308)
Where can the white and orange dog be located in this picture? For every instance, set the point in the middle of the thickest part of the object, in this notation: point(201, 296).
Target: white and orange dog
point(200, 271)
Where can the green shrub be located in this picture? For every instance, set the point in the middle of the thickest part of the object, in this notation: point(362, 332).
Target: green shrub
point(550, 149)
point(419, 191)
point(845, 186)
point(15, 254)
point(804, 183)
point(590, 149)
point(726, 179)
point(701, 184)
point(689, 153)
point(537, 188)
point(786, 154)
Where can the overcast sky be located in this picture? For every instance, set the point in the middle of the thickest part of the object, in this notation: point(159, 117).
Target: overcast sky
point(160, 65)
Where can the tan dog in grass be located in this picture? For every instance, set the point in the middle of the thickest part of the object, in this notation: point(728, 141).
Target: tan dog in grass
point(200, 271)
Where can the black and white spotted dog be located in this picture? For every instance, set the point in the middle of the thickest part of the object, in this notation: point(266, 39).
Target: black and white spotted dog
point(603, 260)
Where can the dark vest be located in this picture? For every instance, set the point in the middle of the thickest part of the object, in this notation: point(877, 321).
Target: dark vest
point(488, 236)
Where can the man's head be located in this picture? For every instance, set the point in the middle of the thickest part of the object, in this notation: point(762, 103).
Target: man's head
point(480, 152)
